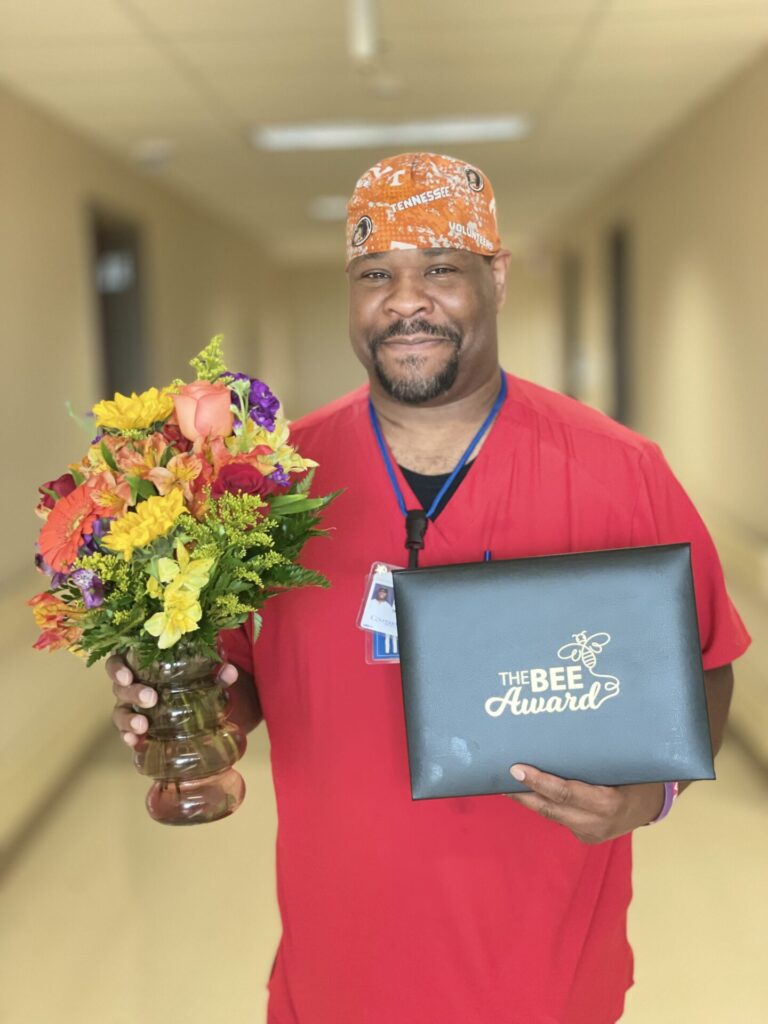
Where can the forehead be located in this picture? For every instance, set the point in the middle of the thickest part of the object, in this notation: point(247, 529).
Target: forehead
point(411, 257)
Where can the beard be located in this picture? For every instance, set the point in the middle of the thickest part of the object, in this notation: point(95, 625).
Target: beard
point(414, 387)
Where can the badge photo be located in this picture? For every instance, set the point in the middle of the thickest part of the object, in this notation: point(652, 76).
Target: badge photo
point(377, 612)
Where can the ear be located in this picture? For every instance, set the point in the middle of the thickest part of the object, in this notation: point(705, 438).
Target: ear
point(499, 269)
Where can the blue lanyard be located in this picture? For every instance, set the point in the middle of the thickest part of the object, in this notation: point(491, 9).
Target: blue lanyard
point(457, 469)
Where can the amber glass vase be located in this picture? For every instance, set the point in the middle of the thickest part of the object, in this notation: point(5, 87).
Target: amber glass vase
point(190, 746)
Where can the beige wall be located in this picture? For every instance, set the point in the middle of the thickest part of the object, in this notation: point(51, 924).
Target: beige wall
point(529, 336)
point(314, 304)
point(203, 277)
point(697, 209)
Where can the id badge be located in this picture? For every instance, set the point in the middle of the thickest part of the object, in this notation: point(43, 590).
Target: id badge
point(377, 615)
point(381, 649)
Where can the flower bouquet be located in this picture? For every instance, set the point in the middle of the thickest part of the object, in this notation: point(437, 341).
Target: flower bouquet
point(186, 513)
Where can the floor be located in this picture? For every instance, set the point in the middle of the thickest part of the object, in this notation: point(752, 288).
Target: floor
point(108, 918)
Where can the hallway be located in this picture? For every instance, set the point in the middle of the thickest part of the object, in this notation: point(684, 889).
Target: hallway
point(109, 919)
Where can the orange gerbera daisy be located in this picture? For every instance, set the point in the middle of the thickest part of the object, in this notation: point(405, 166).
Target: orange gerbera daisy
point(62, 534)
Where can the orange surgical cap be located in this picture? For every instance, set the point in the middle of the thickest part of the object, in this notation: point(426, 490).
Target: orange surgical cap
point(422, 201)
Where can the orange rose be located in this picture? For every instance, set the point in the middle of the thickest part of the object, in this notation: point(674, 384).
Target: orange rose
point(203, 410)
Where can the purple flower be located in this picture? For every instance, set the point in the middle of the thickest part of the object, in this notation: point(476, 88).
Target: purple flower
point(279, 476)
point(90, 586)
point(263, 405)
point(92, 541)
point(57, 578)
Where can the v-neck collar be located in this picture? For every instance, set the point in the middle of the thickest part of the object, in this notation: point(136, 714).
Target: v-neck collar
point(444, 523)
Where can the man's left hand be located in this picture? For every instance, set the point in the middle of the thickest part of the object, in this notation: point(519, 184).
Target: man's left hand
point(593, 813)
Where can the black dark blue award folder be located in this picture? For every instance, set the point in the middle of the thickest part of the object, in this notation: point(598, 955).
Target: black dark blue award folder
point(585, 665)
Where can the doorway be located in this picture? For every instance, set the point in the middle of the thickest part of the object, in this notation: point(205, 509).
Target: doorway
point(117, 276)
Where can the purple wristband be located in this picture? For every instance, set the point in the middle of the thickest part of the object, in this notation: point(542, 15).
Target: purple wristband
point(671, 790)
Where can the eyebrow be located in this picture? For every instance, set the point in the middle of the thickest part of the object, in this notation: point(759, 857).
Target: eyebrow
point(427, 252)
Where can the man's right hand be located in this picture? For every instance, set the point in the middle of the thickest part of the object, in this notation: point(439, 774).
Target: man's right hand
point(130, 723)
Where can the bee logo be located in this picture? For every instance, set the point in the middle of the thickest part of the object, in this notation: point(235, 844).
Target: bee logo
point(585, 649)
point(362, 231)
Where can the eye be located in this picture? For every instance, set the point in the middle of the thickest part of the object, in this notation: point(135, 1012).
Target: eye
point(374, 275)
point(441, 271)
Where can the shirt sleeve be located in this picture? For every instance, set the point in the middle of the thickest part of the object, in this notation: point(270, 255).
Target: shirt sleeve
point(664, 514)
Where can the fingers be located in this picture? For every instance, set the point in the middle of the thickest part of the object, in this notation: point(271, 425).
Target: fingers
point(228, 674)
point(129, 694)
point(130, 725)
point(118, 671)
point(590, 812)
point(564, 792)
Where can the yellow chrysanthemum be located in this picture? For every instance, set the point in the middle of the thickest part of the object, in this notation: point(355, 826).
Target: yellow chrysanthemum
point(153, 518)
point(181, 614)
point(136, 412)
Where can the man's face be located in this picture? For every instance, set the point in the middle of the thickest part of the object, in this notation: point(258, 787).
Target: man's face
point(423, 321)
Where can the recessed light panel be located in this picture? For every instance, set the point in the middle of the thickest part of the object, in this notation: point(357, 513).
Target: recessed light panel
point(359, 134)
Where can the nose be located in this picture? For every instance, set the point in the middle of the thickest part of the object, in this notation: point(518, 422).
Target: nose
point(408, 296)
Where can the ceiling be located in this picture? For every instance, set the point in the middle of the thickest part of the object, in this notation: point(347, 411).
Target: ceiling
point(601, 80)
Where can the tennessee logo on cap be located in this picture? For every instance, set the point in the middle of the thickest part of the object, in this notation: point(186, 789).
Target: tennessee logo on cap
point(362, 230)
point(474, 179)
point(422, 201)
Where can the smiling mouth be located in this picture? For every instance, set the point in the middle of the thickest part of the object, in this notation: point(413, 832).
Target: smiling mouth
point(415, 339)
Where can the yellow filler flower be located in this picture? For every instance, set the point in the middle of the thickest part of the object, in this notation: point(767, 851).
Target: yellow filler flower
point(134, 412)
point(153, 518)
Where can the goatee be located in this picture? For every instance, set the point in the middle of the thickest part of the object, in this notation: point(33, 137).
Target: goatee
point(414, 388)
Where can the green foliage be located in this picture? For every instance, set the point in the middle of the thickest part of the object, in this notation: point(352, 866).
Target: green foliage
point(140, 489)
point(108, 457)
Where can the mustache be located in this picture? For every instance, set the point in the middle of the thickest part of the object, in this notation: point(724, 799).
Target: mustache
point(408, 328)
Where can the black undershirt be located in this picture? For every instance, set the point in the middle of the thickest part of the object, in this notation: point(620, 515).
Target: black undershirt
point(426, 486)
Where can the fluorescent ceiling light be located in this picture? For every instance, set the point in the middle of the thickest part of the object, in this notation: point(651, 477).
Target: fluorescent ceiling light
point(362, 30)
point(358, 134)
point(328, 208)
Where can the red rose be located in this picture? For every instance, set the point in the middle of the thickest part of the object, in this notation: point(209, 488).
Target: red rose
point(61, 487)
point(241, 476)
point(174, 436)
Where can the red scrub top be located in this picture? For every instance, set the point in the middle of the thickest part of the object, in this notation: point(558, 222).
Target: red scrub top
point(458, 911)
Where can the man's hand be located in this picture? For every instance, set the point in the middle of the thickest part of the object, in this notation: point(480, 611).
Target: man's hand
point(128, 722)
point(597, 813)
point(592, 813)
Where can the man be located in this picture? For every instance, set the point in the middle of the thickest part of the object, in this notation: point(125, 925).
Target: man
point(485, 910)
